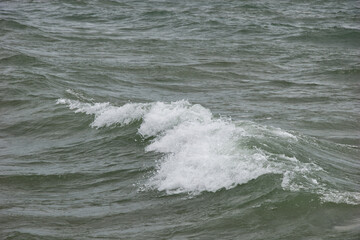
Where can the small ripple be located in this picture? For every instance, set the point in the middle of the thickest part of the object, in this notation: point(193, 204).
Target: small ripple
point(12, 24)
point(19, 59)
point(284, 83)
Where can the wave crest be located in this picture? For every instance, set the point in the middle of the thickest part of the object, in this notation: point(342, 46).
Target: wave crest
point(204, 153)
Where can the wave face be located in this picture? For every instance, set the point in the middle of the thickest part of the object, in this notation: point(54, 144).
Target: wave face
point(203, 153)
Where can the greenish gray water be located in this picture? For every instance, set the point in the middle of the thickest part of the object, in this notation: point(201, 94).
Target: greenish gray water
point(179, 120)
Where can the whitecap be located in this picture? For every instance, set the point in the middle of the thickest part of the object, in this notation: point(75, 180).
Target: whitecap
point(204, 153)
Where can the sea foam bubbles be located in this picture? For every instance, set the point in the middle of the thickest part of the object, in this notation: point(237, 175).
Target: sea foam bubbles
point(204, 153)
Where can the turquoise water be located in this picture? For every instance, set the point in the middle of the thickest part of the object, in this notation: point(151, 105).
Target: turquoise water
point(179, 120)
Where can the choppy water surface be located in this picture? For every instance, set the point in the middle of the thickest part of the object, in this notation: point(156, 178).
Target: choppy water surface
point(179, 119)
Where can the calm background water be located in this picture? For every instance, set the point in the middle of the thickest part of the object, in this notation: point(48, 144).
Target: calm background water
point(179, 119)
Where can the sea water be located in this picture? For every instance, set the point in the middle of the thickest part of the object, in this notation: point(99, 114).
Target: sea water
point(179, 119)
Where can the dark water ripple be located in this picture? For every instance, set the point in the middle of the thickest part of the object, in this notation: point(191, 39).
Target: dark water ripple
point(136, 162)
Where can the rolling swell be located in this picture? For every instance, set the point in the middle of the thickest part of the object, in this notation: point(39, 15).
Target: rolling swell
point(202, 153)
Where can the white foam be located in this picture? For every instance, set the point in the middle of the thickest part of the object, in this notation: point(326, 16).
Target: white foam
point(200, 153)
point(336, 196)
point(204, 157)
point(107, 115)
point(203, 153)
point(163, 116)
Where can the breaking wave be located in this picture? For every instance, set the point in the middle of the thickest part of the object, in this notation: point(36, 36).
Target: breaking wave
point(201, 152)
